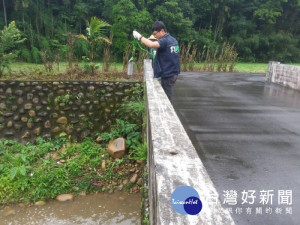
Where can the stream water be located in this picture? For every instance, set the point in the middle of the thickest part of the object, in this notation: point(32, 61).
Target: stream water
point(94, 209)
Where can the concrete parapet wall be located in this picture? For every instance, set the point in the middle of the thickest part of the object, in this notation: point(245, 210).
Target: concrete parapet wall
point(173, 162)
point(285, 75)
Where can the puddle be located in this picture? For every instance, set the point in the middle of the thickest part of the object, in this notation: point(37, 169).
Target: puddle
point(94, 209)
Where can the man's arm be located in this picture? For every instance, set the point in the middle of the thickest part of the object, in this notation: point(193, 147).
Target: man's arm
point(149, 43)
point(145, 41)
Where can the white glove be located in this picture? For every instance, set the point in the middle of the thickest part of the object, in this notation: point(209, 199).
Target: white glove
point(137, 35)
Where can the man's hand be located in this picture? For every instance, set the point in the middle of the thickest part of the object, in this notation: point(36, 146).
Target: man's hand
point(137, 35)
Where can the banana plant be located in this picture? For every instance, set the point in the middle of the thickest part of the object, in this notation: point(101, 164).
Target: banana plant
point(96, 31)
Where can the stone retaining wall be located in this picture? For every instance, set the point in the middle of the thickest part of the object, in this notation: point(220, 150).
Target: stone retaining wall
point(47, 109)
point(285, 75)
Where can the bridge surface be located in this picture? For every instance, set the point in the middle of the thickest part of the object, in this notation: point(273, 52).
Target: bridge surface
point(247, 134)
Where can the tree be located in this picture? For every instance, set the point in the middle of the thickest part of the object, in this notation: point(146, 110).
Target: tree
point(171, 14)
point(21, 5)
point(96, 32)
point(80, 13)
point(255, 27)
point(126, 17)
point(10, 37)
point(267, 12)
point(4, 12)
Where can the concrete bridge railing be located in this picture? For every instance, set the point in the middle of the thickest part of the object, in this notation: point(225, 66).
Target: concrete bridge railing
point(173, 162)
point(285, 75)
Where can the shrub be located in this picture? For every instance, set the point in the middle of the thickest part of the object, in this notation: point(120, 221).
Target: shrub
point(138, 151)
point(25, 54)
point(10, 37)
point(36, 55)
point(123, 129)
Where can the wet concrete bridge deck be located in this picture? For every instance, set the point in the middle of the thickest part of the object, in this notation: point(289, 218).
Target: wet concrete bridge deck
point(247, 134)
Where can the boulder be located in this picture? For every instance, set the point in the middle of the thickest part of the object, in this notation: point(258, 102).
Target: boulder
point(117, 147)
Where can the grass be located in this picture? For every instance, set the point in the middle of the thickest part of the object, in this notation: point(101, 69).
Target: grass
point(244, 67)
point(26, 68)
point(31, 71)
point(33, 169)
point(251, 67)
point(255, 67)
point(31, 68)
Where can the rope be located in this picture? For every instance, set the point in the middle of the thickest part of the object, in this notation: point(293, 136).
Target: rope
point(136, 44)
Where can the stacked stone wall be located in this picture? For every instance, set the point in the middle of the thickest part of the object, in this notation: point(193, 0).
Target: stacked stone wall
point(48, 109)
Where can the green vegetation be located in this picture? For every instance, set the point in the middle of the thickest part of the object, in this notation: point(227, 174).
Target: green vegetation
point(123, 129)
point(43, 170)
point(260, 31)
point(95, 35)
point(255, 67)
point(63, 99)
point(46, 169)
point(221, 59)
point(251, 67)
point(139, 151)
point(30, 71)
point(239, 67)
point(27, 68)
point(10, 37)
point(136, 108)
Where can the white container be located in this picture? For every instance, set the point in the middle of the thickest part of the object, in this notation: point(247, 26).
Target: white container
point(130, 68)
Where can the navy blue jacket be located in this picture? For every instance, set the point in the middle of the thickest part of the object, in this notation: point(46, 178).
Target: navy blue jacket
point(166, 63)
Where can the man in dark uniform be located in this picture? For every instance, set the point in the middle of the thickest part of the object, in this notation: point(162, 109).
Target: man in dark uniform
point(166, 64)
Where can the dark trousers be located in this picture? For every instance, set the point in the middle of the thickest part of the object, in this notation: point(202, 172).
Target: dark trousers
point(168, 85)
